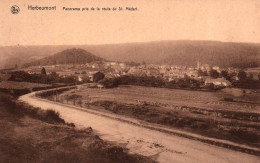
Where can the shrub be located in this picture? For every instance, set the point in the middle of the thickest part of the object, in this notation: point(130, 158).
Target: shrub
point(20, 109)
point(245, 135)
point(110, 83)
point(52, 116)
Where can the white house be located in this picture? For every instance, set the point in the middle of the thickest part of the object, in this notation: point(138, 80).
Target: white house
point(218, 82)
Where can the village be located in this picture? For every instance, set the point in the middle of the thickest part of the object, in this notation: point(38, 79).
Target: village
point(129, 81)
point(202, 73)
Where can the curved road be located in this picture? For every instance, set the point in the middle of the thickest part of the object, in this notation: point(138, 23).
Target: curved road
point(162, 147)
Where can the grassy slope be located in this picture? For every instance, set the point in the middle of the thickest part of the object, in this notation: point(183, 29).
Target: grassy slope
point(31, 135)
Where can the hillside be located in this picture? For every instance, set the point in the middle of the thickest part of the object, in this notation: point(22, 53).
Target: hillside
point(223, 54)
point(70, 56)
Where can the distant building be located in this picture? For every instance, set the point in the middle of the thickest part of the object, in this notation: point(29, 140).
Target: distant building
point(79, 79)
point(122, 65)
point(216, 68)
point(205, 67)
point(100, 86)
point(198, 65)
point(218, 82)
point(253, 73)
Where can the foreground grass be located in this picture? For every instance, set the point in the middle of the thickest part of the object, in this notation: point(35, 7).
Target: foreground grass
point(31, 135)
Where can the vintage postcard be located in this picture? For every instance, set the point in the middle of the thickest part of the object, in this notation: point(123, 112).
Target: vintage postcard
point(130, 81)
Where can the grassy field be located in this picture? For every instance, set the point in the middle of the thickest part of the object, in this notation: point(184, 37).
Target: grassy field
point(248, 102)
point(210, 114)
point(32, 135)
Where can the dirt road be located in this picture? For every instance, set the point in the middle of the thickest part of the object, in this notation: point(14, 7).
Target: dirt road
point(158, 145)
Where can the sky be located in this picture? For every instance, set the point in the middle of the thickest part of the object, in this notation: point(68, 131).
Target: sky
point(154, 20)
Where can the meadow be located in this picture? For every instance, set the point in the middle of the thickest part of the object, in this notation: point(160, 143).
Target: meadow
point(226, 114)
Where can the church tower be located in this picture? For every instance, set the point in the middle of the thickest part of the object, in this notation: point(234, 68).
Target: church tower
point(198, 64)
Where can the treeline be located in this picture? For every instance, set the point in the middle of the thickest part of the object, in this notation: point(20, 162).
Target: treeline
point(239, 80)
point(247, 84)
point(151, 81)
point(245, 81)
point(43, 78)
point(183, 83)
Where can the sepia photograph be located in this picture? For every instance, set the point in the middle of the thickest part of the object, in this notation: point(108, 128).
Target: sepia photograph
point(129, 81)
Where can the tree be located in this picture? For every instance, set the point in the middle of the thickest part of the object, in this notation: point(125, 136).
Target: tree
point(75, 98)
point(98, 76)
point(211, 86)
point(110, 83)
point(43, 71)
point(20, 76)
point(251, 76)
point(54, 74)
point(85, 79)
point(214, 74)
point(69, 79)
point(202, 73)
point(80, 102)
point(67, 98)
point(241, 75)
point(224, 74)
point(53, 77)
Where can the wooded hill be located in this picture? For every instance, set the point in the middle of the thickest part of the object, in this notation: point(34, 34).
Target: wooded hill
point(70, 56)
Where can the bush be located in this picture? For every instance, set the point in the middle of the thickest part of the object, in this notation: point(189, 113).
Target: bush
point(151, 81)
point(52, 116)
point(110, 83)
point(20, 109)
point(98, 76)
point(245, 135)
point(22, 76)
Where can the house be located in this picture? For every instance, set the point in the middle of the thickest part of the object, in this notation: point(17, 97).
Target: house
point(122, 65)
point(79, 79)
point(216, 68)
point(100, 86)
point(205, 67)
point(218, 82)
